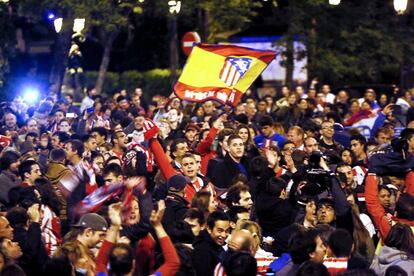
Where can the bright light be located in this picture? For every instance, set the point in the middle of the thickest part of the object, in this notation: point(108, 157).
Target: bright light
point(175, 6)
point(78, 25)
point(5, 1)
point(334, 2)
point(51, 16)
point(31, 95)
point(400, 6)
point(141, 1)
point(58, 22)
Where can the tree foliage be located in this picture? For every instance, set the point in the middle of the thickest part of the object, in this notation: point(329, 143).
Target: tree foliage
point(354, 42)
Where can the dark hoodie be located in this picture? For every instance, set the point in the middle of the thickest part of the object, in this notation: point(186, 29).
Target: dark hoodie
point(206, 254)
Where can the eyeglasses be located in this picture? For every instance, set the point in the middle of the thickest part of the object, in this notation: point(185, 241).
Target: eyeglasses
point(290, 148)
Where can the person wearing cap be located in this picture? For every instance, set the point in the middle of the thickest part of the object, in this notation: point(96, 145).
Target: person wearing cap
point(176, 208)
point(191, 134)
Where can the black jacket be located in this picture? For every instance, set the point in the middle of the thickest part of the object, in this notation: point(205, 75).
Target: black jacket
point(225, 171)
point(173, 220)
point(34, 253)
point(206, 254)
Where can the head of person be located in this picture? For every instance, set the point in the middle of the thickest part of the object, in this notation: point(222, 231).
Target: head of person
point(310, 212)
point(311, 145)
point(218, 227)
point(340, 244)
point(288, 148)
point(244, 132)
point(98, 161)
point(296, 135)
point(6, 230)
point(237, 215)
point(239, 195)
point(401, 238)
point(384, 196)
point(204, 201)
point(121, 260)
point(370, 95)
point(178, 148)
point(112, 174)
point(134, 215)
point(176, 184)
point(119, 139)
point(345, 176)
point(383, 136)
point(266, 126)
point(235, 146)
point(307, 245)
point(242, 241)
point(74, 148)
point(327, 129)
point(10, 120)
point(195, 219)
point(64, 126)
point(240, 263)
point(32, 126)
point(222, 138)
point(89, 142)
point(276, 187)
point(404, 207)
point(189, 165)
point(191, 132)
point(347, 156)
point(29, 171)
point(326, 211)
point(99, 133)
point(357, 145)
point(10, 249)
point(59, 138)
point(9, 161)
point(57, 155)
point(90, 229)
point(310, 268)
point(59, 115)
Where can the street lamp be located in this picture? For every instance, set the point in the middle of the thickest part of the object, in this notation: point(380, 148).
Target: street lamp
point(78, 25)
point(334, 2)
point(58, 22)
point(400, 6)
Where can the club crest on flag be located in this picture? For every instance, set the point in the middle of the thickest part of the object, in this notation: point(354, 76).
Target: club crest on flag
point(233, 69)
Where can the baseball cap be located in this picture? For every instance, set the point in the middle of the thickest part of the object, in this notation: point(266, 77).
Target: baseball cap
point(192, 126)
point(177, 182)
point(93, 221)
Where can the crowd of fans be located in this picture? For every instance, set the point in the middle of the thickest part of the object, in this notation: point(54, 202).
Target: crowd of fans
point(300, 182)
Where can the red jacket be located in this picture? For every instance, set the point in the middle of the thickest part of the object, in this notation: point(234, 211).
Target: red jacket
point(377, 212)
point(203, 148)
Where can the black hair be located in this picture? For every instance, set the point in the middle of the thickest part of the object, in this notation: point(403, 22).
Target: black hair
point(112, 168)
point(100, 130)
point(360, 138)
point(194, 213)
point(77, 146)
point(405, 207)
point(58, 266)
point(48, 194)
point(340, 242)
point(234, 211)
point(215, 216)
point(395, 270)
point(8, 158)
point(17, 217)
point(121, 259)
point(265, 120)
point(57, 155)
point(175, 143)
point(241, 263)
point(275, 186)
point(26, 167)
point(12, 270)
point(309, 268)
point(233, 193)
point(63, 136)
point(302, 244)
point(186, 263)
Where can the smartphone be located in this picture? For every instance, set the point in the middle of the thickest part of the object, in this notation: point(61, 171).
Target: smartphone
point(70, 115)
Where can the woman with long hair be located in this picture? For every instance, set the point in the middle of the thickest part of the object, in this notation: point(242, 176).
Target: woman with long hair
point(398, 250)
point(362, 233)
point(204, 201)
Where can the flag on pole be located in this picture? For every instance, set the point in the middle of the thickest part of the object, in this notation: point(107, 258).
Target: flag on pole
point(221, 73)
